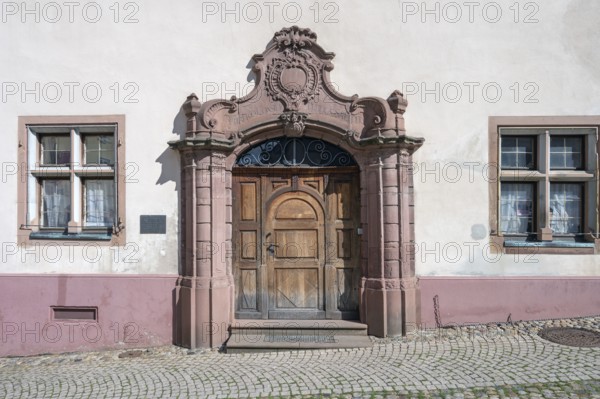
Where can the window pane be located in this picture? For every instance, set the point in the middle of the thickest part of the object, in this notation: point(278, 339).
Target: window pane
point(573, 144)
point(557, 144)
point(99, 203)
point(56, 150)
point(566, 152)
point(516, 208)
point(556, 160)
point(107, 149)
point(509, 144)
point(517, 152)
point(91, 157)
point(524, 144)
point(509, 160)
point(106, 143)
point(573, 161)
point(525, 160)
point(56, 203)
point(566, 208)
point(106, 159)
point(99, 149)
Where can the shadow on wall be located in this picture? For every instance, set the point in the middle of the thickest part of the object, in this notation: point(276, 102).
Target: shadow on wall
point(251, 77)
point(169, 159)
point(170, 169)
point(170, 172)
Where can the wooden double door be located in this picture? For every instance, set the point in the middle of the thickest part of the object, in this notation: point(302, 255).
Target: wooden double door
point(296, 243)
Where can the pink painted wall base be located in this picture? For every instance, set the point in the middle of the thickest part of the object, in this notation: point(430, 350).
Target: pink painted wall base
point(136, 311)
point(133, 311)
point(492, 299)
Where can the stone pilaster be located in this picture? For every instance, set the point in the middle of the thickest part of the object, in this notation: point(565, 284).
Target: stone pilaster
point(390, 290)
point(411, 296)
point(205, 288)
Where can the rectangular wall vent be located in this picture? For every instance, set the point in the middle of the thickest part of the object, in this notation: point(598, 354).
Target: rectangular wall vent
point(74, 313)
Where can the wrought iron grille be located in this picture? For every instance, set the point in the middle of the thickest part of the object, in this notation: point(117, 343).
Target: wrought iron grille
point(302, 151)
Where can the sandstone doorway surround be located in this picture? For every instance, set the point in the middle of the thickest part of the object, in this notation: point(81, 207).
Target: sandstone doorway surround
point(294, 100)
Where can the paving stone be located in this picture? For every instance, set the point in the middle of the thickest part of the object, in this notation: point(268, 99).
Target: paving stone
point(485, 361)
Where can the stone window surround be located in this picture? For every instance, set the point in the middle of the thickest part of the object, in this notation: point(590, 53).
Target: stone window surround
point(496, 238)
point(23, 230)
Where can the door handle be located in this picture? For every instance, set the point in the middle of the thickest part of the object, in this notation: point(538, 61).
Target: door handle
point(271, 247)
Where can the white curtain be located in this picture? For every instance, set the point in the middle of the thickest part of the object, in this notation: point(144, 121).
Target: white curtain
point(56, 203)
point(516, 211)
point(565, 208)
point(100, 203)
point(509, 222)
point(560, 217)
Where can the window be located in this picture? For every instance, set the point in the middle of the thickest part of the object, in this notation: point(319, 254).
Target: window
point(545, 195)
point(71, 186)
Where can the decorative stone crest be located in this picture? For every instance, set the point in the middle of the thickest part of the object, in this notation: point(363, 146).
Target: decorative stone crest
point(294, 93)
point(294, 38)
point(294, 80)
point(293, 123)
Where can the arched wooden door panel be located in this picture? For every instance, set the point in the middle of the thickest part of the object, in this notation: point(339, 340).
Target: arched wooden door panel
point(296, 243)
point(295, 256)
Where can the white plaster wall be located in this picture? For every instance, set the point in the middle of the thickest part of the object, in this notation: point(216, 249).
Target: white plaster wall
point(179, 47)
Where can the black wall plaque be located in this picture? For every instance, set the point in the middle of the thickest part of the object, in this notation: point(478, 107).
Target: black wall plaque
point(153, 224)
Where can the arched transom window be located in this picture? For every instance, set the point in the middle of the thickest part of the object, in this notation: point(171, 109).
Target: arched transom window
point(301, 151)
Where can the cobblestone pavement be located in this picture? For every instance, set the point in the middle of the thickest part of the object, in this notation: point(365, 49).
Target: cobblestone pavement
point(493, 361)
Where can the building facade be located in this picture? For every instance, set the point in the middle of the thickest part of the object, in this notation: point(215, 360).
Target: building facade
point(138, 214)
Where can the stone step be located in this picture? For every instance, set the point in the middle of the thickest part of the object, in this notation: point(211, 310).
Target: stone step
point(286, 335)
point(238, 343)
point(300, 327)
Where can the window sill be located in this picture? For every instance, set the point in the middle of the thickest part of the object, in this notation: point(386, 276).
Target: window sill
point(47, 235)
point(545, 247)
point(547, 244)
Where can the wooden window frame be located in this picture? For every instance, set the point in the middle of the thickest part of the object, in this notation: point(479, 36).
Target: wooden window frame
point(544, 242)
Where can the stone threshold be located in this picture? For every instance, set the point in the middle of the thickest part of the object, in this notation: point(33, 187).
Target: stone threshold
point(286, 335)
point(298, 324)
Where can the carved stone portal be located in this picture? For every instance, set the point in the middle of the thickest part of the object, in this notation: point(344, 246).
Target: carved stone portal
point(294, 97)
